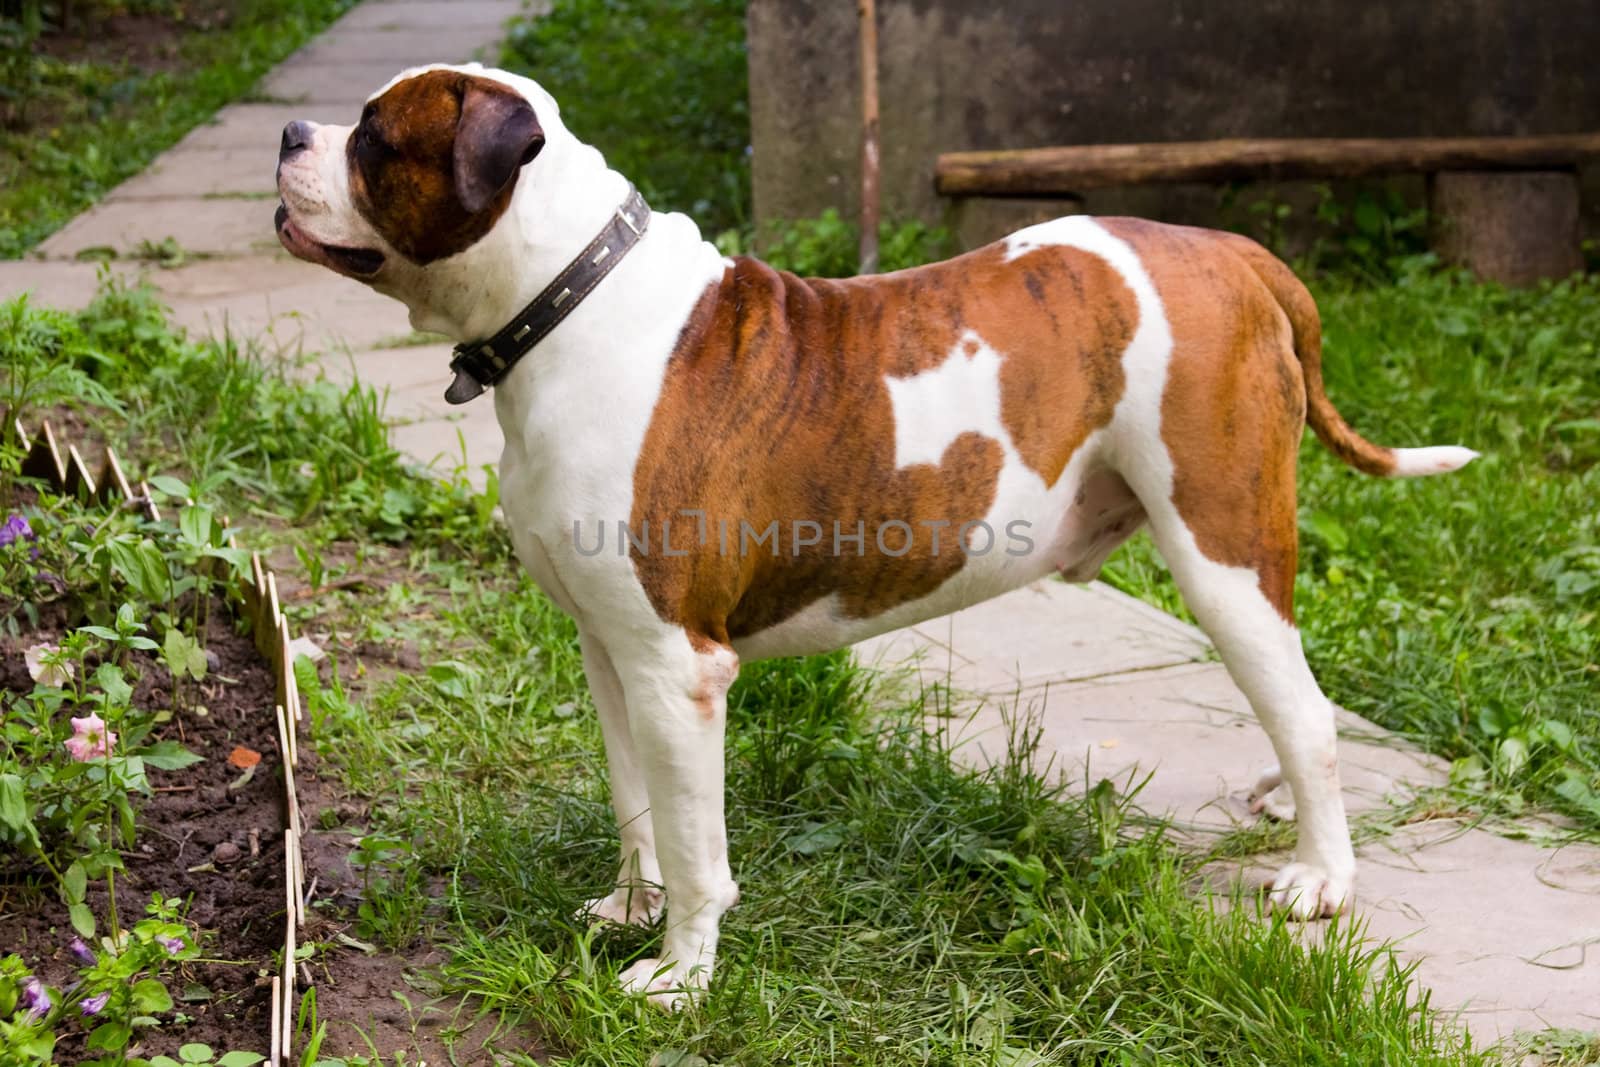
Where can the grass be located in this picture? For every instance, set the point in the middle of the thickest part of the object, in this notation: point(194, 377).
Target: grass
point(897, 908)
point(108, 121)
point(659, 87)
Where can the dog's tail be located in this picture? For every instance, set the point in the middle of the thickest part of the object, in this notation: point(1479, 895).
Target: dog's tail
point(1324, 418)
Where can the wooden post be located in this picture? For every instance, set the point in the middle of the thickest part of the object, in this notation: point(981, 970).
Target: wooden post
point(1511, 227)
point(869, 136)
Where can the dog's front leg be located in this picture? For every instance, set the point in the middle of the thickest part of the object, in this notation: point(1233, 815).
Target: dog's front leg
point(677, 711)
point(636, 896)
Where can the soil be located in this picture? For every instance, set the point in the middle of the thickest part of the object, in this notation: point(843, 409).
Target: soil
point(239, 902)
point(384, 1000)
point(378, 999)
point(149, 41)
point(131, 43)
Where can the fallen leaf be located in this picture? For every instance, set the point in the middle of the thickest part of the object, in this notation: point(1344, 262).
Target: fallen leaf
point(244, 758)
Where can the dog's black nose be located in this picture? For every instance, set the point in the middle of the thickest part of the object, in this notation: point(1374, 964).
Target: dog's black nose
point(296, 137)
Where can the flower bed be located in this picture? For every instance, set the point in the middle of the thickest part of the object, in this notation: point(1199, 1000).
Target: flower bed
point(144, 799)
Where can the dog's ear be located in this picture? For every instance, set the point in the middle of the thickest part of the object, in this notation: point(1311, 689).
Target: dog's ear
point(497, 135)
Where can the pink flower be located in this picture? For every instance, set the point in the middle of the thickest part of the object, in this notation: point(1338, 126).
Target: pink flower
point(46, 666)
point(90, 738)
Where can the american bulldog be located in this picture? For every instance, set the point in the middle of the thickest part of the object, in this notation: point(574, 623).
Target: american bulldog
point(708, 460)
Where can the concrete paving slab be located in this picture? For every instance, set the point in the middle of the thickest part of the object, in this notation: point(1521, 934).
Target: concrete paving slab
point(422, 368)
point(322, 314)
point(397, 47)
point(434, 443)
point(1494, 936)
point(250, 126)
point(1503, 931)
point(489, 15)
point(1186, 733)
point(1071, 633)
point(54, 283)
point(205, 173)
point(206, 227)
point(340, 88)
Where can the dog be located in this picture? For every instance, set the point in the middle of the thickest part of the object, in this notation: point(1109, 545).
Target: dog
point(786, 465)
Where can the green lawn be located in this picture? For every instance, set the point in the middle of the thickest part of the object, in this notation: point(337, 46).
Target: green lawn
point(83, 126)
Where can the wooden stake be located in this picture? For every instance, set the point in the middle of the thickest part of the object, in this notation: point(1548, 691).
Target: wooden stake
point(251, 590)
point(267, 620)
point(79, 480)
point(288, 946)
point(867, 10)
point(44, 458)
point(148, 502)
point(14, 428)
point(276, 1022)
point(292, 685)
point(112, 480)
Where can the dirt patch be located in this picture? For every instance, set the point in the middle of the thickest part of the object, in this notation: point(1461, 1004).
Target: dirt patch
point(388, 1001)
point(147, 41)
point(234, 892)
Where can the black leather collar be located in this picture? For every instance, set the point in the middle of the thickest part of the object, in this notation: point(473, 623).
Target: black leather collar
point(481, 364)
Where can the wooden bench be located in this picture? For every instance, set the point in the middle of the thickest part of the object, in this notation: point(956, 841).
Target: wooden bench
point(1505, 206)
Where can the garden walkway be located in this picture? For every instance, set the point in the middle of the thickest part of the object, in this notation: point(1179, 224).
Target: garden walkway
point(1502, 926)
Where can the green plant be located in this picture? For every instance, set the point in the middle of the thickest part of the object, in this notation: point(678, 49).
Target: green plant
point(117, 991)
point(827, 247)
point(196, 1055)
point(64, 790)
point(677, 124)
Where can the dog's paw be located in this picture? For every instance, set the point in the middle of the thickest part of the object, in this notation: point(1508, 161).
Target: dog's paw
point(626, 906)
point(1308, 892)
point(1272, 796)
point(670, 986)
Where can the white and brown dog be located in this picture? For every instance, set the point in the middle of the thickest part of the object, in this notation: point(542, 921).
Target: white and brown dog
point(779, 456)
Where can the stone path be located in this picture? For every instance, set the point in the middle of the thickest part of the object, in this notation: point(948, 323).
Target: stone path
point(1506, 932)
point(212, 195)
point(1503, 929)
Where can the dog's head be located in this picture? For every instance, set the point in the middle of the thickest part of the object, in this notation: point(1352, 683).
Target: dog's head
point(425, 175)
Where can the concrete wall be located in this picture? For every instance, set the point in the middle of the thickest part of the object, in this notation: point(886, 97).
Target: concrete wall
point(970, 74)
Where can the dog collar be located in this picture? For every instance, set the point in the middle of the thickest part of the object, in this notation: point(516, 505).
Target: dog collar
point(479, 365)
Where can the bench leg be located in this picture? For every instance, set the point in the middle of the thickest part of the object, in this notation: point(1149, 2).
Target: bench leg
point(1512, 227)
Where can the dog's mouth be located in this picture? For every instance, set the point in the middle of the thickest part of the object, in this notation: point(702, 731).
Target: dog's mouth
point(355, 262)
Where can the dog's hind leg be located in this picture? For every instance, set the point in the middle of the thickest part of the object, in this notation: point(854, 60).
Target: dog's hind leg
point(1224, 520)
point(677, 689)
point(637, 895)
point(1207, 434)
point(1262, 652)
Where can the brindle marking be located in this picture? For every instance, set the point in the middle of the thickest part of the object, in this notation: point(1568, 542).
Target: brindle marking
point(775, 408)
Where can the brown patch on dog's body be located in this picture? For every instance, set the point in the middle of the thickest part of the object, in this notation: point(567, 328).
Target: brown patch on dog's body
point(1234, 406)
point(402, 166)
point(775, 408)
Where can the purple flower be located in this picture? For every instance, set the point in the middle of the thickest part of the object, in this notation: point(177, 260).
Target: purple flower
point(81, 952)
point(35, 1000)
point(94, 1005)
point(173, 945)
point(15, 528)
